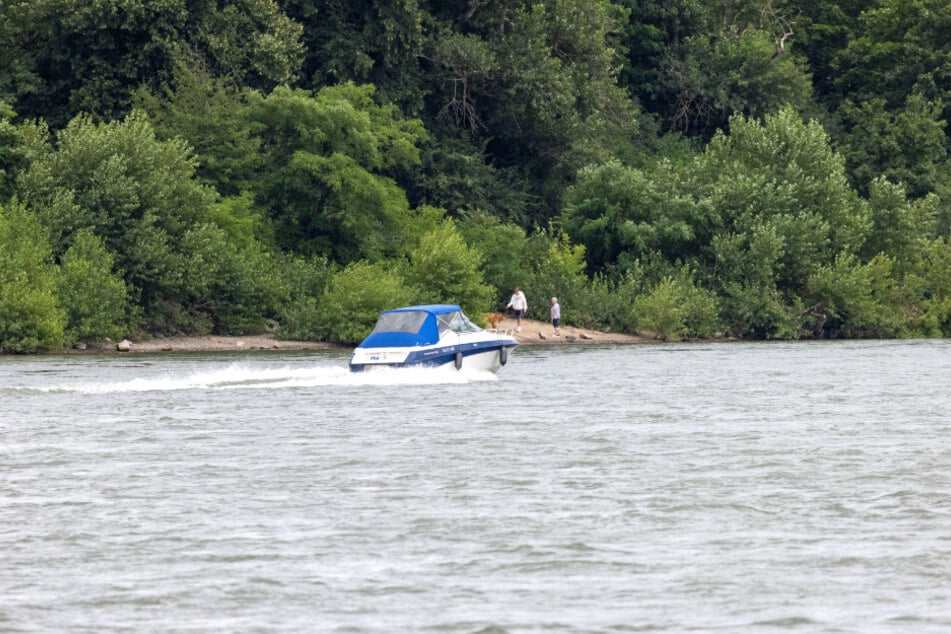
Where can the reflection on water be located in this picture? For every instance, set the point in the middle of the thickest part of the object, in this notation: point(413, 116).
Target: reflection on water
point(739, 487)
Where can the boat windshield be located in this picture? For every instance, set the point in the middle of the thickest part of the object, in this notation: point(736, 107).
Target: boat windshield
point(403, 321)
point(456, 322)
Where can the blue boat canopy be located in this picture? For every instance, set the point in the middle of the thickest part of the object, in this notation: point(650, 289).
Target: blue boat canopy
point(417, 326)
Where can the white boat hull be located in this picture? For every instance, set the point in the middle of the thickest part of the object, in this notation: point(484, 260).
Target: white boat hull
point(486, 353)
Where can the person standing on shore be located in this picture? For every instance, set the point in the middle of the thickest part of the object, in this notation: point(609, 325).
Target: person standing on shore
point(519, 304)
point(555, 315)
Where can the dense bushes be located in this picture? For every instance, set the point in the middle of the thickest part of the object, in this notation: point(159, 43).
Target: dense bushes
point(30, 318)
point(119, 236)
point(236, 171)
point(94, 297)
point(349, 305)
point(678, 309)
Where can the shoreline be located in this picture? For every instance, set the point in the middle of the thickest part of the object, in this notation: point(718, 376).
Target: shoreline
point(540, 333)
point(202, 343)
point(534, 333)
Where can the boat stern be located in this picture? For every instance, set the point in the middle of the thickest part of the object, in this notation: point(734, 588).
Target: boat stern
point(363, 358)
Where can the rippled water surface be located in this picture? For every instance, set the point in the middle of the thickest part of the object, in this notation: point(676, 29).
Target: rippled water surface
point(668, 488)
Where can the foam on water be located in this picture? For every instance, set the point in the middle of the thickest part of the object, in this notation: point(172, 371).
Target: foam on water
point(238, 376)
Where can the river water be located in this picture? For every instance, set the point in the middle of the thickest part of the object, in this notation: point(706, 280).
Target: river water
point(734, 487)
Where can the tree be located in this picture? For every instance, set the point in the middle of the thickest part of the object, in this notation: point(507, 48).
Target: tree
point(899, 49)
point(678, 308)
point(30, 318)
point(234, 286)
point(787, 210)
point(454, 174)
point(375, 42)
point(899, 225)
point(621, 214)
point(327, 185)
point(713, 77)
point(783, 173)
point(13, 153)
point(746, 279)
point(696, 64)
point(536, 79)
point(850, 299)
point(893, 82)
point(557, 268)
point(213, 117)
point(930, 279)
point(251, 42)
point(907, 145)
point(447, 270)
point(93, 295)
point(138, 194)
point(352, 301)
point(824, 28)
point(504, 247)
point(70, 58)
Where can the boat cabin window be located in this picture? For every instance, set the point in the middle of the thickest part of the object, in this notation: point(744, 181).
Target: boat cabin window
point(456, 322)
point(406, 321)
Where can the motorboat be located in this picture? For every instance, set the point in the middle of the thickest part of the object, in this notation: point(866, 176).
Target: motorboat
point(434, 335)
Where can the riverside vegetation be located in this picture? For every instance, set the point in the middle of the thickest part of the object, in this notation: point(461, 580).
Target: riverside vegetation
point(684, 168)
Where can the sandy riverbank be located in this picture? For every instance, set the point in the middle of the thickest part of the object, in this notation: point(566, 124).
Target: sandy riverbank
point(541, 333)
point(207, 343)
point(533, 333)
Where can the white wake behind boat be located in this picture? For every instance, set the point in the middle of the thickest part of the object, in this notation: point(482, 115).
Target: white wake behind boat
point(434, 335)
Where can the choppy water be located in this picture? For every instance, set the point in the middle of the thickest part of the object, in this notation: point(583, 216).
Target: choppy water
point(669, 488)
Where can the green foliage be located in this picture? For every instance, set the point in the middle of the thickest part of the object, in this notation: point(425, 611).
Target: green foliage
point(538, 80)
point(892, 81)
point(677, 308)
point(899, 49)
point(30, 318)
point(13, 153)
point(234, 204)
point(849, 299)
point(252, 42)
point(93, 295)
point(447, 270)
point(88, 57)
point(238, 218)
point(907, 145)
point(350, 304)
point(609, 303)
point(505, 248)
point(715, 76)
point(212, 116)
point(306, 279)
point(696, 64)
point(898, 225)
point(620, 213)
point(135, 192)
point(823, 29)
point(326, 186)
point(304, 276)
point(558, 268)
point(375, 42)
point(232, 288)
point(929, 280)
point(456, 175)
point(747, 269)
point(786, 169)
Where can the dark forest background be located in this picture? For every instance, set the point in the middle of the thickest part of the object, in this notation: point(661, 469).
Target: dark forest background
point(684, 168)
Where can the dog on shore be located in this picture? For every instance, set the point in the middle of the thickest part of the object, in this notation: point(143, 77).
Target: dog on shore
point(494, 319)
